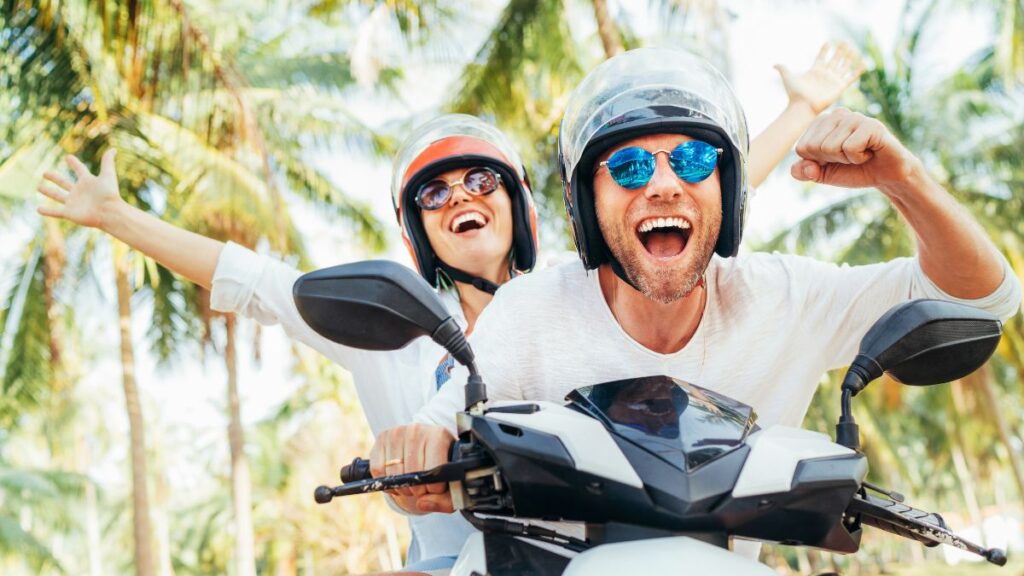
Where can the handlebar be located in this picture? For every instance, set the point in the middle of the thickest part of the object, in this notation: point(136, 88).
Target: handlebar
point(444, 473)
point(927, 528)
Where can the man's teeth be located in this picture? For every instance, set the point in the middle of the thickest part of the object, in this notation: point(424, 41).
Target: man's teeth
point(651, 224)
point(468, 217)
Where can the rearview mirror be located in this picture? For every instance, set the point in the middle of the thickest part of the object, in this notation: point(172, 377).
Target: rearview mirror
point(371, 305)
point(926, 342)
point(921, 342)
point(381, 305)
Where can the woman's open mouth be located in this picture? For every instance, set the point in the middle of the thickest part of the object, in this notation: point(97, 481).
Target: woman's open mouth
point(467, 222)
point(664, 238)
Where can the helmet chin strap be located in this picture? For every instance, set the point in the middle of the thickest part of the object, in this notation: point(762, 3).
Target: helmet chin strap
point(621, 272)
point(457, 275)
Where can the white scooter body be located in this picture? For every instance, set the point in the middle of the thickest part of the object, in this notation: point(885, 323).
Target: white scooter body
point(656, 556)
point(770, 467)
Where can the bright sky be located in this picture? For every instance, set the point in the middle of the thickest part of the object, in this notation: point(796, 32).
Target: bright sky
point(184, 404)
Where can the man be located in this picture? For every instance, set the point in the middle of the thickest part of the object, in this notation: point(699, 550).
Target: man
point(653, 148)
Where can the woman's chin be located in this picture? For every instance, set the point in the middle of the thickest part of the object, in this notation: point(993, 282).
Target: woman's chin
point(474, 259)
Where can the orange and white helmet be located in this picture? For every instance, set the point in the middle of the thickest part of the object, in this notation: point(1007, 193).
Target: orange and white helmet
point(457, 141)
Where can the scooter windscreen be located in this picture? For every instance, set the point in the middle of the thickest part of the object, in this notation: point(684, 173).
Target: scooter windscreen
point(683, 424)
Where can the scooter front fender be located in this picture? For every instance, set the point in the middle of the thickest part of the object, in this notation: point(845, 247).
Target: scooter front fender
point(674, 555)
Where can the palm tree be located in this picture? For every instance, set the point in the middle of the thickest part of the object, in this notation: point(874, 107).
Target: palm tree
point(128, 81)
point(963, 129)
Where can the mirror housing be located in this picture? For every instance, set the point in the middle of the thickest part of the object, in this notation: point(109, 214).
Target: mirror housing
point(925, 342)
point(921, 342)
point(382, 305)
point(371, 305)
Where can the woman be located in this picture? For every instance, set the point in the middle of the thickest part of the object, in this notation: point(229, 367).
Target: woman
point(463, 201)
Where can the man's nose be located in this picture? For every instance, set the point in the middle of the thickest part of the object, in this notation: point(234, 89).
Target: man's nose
point(664, 184)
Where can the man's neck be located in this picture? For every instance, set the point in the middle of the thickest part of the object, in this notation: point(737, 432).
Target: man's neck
point(662, 328)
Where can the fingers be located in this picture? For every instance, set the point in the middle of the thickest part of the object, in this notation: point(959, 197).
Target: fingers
point(839, 59)
point(832, 145)
point(51, 211)
point(414, 457)
point(59, 180)
point(823, 53)
point(107, 162)
point(435, 451)
point(76, 166)
point(377, 455)
point(859, 146)
point(841, 137)
point(435, 503)
point(56, 195)
point(806, 171)
point(784, 72)
point(809, 144)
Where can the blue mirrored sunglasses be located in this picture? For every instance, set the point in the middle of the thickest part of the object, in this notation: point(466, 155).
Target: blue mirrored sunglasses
point(692, 161)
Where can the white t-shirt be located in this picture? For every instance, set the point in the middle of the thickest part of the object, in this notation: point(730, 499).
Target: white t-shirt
point(773, 325)
point(391, 386)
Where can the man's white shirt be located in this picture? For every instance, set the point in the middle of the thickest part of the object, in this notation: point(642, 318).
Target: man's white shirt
point(772, 326)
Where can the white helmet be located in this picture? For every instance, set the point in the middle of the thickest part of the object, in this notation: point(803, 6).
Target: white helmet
point(650, 91)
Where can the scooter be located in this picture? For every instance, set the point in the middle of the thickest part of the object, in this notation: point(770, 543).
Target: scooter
point(660, 472)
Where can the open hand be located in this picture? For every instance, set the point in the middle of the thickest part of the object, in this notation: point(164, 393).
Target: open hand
point(413, 448)
point(848, 149)
point(87, 200)
point(834, 69)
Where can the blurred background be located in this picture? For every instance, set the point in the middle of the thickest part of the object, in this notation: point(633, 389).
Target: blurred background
point(273, 123)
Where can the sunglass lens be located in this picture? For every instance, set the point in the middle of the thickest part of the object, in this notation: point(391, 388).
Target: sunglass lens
point(433, 195)
point(693, 161)
point(631, 167)
point(480, 181)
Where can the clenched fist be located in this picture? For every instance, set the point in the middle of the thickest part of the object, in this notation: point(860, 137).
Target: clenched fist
point(850, 150)
point(414, 448)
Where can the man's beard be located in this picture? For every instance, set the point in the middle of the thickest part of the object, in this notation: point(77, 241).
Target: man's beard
point(663, 284)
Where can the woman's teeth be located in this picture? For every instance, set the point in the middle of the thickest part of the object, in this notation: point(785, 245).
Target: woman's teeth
point(468, 221)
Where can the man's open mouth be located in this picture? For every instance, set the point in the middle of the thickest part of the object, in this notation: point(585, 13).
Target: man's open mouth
point(665, 237)
point(467, 222)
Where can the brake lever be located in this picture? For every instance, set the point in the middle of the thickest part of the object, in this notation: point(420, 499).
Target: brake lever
point(903, 520)
point(444, 473)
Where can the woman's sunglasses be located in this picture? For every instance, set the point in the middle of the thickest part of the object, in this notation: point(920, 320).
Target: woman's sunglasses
point(692, 161)
point(476, 181)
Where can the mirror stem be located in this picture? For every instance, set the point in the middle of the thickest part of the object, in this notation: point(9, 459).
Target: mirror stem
point(449, 335)
point(476, 391)
point(847, 431)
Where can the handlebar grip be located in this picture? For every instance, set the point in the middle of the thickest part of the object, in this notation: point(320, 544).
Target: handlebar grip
point(359, 469)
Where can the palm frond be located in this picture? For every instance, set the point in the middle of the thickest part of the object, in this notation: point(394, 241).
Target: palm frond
point(24, 344)
point(16, 541)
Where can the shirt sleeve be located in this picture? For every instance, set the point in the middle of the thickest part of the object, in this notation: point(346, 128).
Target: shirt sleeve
point(260, 288)
point(493, 337)
point(842, 302)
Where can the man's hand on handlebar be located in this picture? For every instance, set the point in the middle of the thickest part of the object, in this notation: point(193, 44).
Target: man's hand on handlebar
point(414, 448)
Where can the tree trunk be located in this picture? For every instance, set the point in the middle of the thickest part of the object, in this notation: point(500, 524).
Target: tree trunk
point(285, 561)
point(241, 486)
point(959, 454)
point(161, 522)
point(982, 381)
point(53, 268)
point(83, 462)
point(611, 40)
point(142, 529)
point(92, 530)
